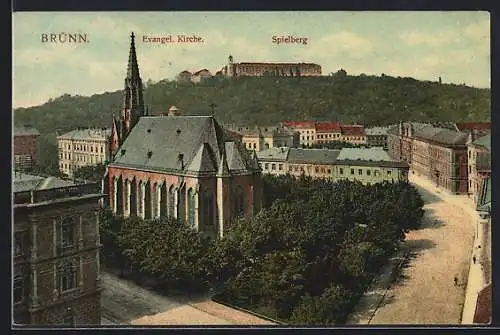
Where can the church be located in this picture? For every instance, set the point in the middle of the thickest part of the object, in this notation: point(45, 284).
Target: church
point(181, 166)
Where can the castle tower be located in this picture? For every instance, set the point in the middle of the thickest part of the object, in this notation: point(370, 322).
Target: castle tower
point(230, 67)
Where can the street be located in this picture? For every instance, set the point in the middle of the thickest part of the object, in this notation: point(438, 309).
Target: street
point(439, 251)
point(124, 303)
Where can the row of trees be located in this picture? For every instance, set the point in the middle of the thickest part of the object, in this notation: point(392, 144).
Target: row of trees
point(306, 258)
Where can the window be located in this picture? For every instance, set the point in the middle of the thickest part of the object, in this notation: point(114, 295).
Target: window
point(329, 171)
point(18, 243)
point(18, 286)
point(316, 169)
point(341, 171)
point(255, 145)
point(238, 201)
point(171, 201)
point(280, 167)
point(352, 171)
point(65, 235)
point(368, 172)
point(267, 166)
point(208, 208)
point(102, 150)
point(388, 173)
point(67, 276)
point(191, 207)
point(273, 166)
point(360, 172)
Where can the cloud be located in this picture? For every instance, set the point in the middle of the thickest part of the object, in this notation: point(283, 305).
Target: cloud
point(415, 38)
point(478, 30)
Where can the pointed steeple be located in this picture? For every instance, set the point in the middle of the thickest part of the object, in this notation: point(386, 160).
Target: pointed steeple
point(133, 100)
point(132, 67)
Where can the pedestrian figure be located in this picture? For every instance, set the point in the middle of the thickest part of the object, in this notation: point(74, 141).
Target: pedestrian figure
point(456, 281)
point(474, 259)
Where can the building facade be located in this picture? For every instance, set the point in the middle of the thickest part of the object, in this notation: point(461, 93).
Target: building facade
point(479, 163)
point(367, 165)
point(319, 132)
point(25, 147)
point(262, 138)
point(186, 167)
point(233, 69)
point(56, 252)
point(438, 154)
point(376, 136)
point(83, 147)
point(316, 163)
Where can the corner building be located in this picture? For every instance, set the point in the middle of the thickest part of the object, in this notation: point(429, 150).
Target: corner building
point(56, 252)
point(186, 167)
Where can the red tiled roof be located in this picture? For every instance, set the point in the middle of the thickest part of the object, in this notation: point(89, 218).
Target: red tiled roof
point(354, 130)
point(483, 306)
point(473, 125)
point(328, 126)
point(299, 124)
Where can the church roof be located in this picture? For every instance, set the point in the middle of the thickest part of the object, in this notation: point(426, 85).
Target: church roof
point(181, 144)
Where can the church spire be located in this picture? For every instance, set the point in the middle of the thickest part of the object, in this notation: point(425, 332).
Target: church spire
point(133, 101)
point(132, 67)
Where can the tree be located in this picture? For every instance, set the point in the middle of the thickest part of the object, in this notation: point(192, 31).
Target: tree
point(93, 173)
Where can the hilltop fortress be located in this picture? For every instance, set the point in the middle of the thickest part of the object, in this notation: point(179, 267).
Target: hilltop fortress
point(273, 69)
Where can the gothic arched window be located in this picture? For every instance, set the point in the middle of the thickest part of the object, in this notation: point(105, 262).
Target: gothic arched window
point(191, 208)
point(208, 207)
point(171, 201)
point(239, 208)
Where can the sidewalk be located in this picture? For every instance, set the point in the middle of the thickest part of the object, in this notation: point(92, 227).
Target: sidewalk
point(475, 280)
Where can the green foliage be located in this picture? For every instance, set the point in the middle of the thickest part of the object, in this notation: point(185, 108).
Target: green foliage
point(369, 100)
point(306, 258)
point(310, 254)
point(93, 173)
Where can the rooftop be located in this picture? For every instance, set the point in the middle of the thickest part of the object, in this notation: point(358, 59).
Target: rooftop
point(87, 134)
point(191, 144)
point(353, 130)
point(25, 182)
point(366, 154)
point(25, 130)
point(374, 131)
point(483, 141)
point(430, 132)
point(31, 189)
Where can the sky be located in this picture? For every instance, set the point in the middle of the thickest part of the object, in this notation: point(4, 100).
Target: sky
point(424, 45)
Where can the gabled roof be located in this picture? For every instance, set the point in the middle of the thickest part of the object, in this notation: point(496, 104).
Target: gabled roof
point(483, 141)
point(353, 130)
point(299, 124)
point(328, 126)
point(317, 156)
point(202, 162)
point(473, 125)
point(176, 144)
point(200, 71)
point(87, 134)
point(366, 154)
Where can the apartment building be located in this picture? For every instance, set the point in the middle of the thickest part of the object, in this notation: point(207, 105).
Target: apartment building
point(262, 138)
point(25, 147)
point(314, 132)
point(367, 165)
point(55, 252)
point(83, 147)
point(438, 154)
point(376, 136)
point(479, 162)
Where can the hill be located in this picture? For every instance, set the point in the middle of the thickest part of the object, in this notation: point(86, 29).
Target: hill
point(368, 100)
